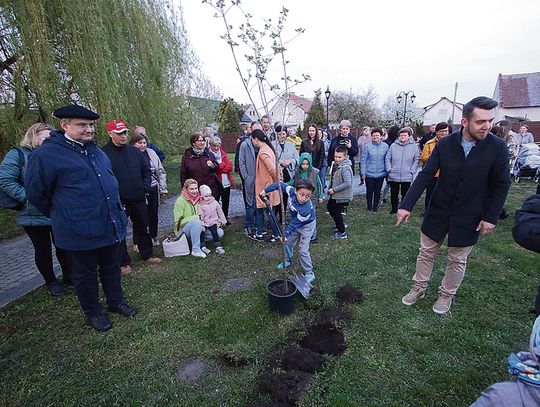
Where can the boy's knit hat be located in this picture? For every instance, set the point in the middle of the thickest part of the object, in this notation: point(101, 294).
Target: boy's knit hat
point(205, 190)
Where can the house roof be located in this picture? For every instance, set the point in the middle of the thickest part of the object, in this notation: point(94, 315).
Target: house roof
point(518, 90)
point(428, 107)
point(300, 101)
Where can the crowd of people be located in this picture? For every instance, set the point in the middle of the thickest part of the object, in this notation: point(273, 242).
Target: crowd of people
point(79, 196)
point(128, 173)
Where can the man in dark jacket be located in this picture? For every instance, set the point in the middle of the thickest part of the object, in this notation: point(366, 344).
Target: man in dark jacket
point(70, 180)
point(526, 231)
point(466, 203)
point(344, 139)
point(134, 178)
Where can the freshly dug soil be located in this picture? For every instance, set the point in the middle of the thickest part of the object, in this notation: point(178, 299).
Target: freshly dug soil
point(349, 295)
point(234, 360)
point(323, 339)
point(285, 387)
point(296, 358)
point(332, 317)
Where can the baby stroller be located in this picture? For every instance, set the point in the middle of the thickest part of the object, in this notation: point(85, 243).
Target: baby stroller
point(527, 163)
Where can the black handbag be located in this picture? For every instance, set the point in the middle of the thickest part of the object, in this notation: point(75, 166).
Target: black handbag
point(6, 201)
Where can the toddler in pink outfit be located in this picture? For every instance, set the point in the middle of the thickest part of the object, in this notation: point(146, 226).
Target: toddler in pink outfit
point(212, 215)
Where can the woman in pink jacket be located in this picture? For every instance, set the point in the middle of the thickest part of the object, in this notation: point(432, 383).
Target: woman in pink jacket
point(265, 174)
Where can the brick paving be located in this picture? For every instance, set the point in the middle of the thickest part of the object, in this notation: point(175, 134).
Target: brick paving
point(18, 272)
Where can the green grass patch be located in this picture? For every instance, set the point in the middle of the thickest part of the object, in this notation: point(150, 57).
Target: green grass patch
point(396, 355)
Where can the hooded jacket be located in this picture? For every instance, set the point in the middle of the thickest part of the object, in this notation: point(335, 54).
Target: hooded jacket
point(402, 161)
point(75, 186)
point(526, 230)
point(311, 173)
point(341, 181)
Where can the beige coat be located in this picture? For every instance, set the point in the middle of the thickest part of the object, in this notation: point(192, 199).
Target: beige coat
point(265, 174)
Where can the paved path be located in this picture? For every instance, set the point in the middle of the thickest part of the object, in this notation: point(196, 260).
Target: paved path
point(18, 272)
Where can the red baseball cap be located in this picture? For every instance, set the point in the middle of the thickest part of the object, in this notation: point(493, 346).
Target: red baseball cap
point(116, 126)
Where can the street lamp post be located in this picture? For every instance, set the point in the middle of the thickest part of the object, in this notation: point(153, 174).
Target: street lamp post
point(406, 95)
point(327, 93)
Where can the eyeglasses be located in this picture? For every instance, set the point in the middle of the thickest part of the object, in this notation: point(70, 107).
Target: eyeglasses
point(200, 139)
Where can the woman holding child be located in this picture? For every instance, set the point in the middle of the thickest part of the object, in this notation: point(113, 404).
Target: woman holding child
point(187, 218)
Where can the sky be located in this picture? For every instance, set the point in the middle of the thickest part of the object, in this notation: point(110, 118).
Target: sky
point(391, 45)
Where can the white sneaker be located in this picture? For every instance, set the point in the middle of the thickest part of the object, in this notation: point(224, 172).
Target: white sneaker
point(156, 242)
point(206, 250)
point(220, 250)
point(199, 254)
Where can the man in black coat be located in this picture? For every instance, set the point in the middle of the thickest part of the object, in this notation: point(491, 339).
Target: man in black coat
point(134, 178)
point(526, 231)
point(473, 183)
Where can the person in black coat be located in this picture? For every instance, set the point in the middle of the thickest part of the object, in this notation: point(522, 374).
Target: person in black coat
point(134, 179)
point(526, 231)
point(466, 203)
point(344, 139)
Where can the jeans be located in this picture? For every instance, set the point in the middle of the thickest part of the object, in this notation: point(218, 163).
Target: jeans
point(259, 218)
point(373, 192)
point(250, 216)
point(303, 234)
point(193, 230)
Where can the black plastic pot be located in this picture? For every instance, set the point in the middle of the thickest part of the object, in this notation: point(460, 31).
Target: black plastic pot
point(280, 300)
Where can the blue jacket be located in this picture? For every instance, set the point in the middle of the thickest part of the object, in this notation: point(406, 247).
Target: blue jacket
point(301, 214)
point(372, 163)
point(12, 183)
point(74, 185)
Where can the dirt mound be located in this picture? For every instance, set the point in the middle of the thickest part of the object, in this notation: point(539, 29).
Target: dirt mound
point(332, 317)
point(285, 387)
point(349, 295)
point(296, 358)
point(234, 360)
point(323, 339)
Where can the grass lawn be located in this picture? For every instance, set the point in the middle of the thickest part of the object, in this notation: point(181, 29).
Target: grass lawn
point(396, 355)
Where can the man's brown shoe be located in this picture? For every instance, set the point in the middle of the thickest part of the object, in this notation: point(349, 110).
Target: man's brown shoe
point(125, 270)
point(153, 260)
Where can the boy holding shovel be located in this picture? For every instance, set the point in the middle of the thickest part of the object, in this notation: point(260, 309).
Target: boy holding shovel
point(302, 224)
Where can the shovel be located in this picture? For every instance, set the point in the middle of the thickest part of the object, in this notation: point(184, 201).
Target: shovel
point(298, 280)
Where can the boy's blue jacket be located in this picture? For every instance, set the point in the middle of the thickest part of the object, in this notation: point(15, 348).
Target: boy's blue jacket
point(301, 214)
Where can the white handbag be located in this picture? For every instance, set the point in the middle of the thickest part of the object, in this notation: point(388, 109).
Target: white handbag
point(176, 245)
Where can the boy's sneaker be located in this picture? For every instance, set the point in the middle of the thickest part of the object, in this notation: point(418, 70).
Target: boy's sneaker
point(310, 276)
point(287, 264)
point(258, 238)
point(155, 241)
point(416, 293)
point(338, 235)
point(220, 250)
point(206, 250)
point(443, 303)
point(334, 228)
point(199, 254)
point(272, 239)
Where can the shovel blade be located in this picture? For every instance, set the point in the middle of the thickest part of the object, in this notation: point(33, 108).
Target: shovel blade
point(302, 285)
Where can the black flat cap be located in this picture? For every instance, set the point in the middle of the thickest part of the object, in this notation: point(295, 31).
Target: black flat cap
point(75, 112)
